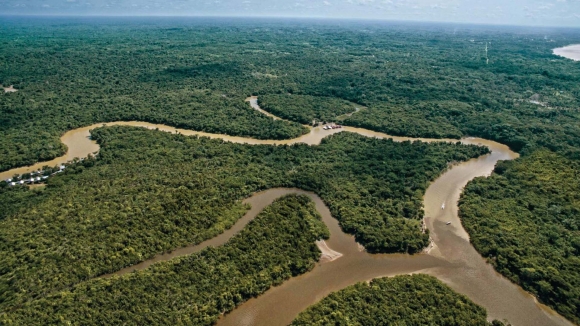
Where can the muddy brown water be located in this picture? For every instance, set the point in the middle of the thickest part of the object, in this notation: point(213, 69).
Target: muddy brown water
point(570, 52)
point(451, 258)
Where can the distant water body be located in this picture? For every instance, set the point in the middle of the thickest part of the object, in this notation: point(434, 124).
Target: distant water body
point(570, 52)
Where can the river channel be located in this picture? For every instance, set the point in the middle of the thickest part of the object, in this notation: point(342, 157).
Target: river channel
point(450, 257)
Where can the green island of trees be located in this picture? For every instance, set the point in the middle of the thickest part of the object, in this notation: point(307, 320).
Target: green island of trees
point(525, 219)
point(401, 300)
point(148, 192)
point(195, 289)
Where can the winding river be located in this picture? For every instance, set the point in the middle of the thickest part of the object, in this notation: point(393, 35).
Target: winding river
point(451, 258)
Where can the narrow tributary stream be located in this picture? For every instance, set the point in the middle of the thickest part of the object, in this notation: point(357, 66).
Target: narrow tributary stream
point(451, 258)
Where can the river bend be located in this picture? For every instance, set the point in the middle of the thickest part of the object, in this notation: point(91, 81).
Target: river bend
point(450, 257)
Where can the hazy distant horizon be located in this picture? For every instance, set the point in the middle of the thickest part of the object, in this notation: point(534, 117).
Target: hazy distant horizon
point(553, 13)
point(289, 18)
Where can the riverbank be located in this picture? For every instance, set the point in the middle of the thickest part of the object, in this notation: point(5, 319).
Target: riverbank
point(253, 100)
point(571, 52)
point(455, 261)
point(327, 253)
point(452, 259)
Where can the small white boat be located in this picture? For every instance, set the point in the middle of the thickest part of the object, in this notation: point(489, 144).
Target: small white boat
point(447, 223)
point(443, 206)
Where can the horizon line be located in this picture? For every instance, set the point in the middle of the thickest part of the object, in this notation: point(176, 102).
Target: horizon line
point(284, 17)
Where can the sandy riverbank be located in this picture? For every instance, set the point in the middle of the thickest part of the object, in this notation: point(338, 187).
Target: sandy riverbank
point(327, 253)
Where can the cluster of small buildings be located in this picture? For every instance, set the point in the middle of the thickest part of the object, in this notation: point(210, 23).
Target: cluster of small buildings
point(26, 181)
point(35, 177)
point(328, 127)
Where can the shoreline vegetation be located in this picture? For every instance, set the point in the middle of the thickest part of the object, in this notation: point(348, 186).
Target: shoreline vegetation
point(195, 289)
point(333, 256)
point(306, 109)
point(536, 201)
point(66, 300)
point(415, 299)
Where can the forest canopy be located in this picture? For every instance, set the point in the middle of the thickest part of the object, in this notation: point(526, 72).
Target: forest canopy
point(415, 81)
point(195, 289)
point(306, 109)
point(525, 219)
point(401, 300)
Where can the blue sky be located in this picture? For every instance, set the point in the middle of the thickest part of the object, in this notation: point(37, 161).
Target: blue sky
point(511, 12)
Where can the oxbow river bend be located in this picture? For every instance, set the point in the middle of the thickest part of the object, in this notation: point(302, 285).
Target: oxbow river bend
point(450, 257)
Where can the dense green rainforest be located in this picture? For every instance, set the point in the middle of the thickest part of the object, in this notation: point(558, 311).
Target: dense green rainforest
point(401, 300)
point(526, 220)
point(150, 192)
point(305, 108)
point(196, 289)
point(413, 80)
